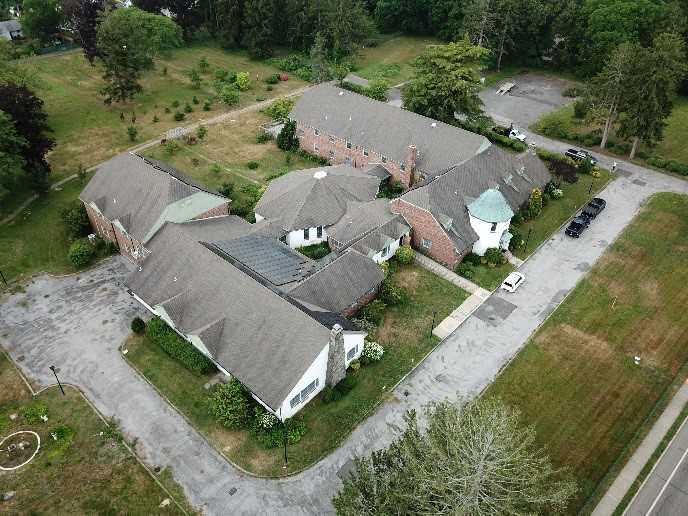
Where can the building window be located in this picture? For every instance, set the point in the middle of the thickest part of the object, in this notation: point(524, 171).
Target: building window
point(385, 251)
point(309, 390)
point(427, 244)
point(348, 145)
point(403, 166)
point(493, 228)
point(316, 132)
point(331, 138)
point(352, 352)
point(401, 240)
point(384, 159)
point(295, 400)
point(319, 231)
point(365, 152)
point(315, 147)
point(300, 133)
point(331, 154)
point(306, 233)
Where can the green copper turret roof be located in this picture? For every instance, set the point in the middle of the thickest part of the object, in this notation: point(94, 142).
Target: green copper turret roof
point(491, 206)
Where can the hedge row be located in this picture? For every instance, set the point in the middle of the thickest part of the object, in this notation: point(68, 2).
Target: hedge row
point(669, 164)
point(505, 141)
point(179, 349)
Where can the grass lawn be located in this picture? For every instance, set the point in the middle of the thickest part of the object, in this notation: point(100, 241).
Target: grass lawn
point(86, 471)
point(405, 334)
point(576, 380)
point(89, 132)
point(671, 147)
point(392, 58)
point(559, 211)
point(491, 277)
point(35, 240)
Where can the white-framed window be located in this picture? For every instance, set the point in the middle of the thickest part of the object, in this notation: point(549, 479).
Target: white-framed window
point(315, 147)
point(493, 228)
point(316, 132)
point(365, 152)
point(319, 231)
point(427, 244)
point(295, 400)
point(352, 352)
point(332, 154)
point(348, 145)
point(403, 166)
point(304, 394)
point(306, 233)
point(385, 251)
point(331, 138)
point(384, 159)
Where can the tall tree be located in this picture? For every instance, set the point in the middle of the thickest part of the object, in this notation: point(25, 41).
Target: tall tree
point(30, 123)
point(84, 17)
point(259, 22)
point(229, 16)
point(473, 459)
point(12, 160)
point(319, 59)
point(446, 81)
point(347, 25)
point(41, 19)
point(479, 20)
point(412, 16)
point(128, 41)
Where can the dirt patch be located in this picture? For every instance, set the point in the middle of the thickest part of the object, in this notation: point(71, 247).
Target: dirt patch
point(408, 279)
point(651, 293)
point(565, 341)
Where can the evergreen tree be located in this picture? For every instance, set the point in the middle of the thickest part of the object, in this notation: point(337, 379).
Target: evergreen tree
point(258, 28)
point(287, 139)
point(229, 15)
point(319, 66)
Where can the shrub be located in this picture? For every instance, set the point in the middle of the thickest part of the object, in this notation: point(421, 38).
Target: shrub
point(553, 126)
point(264, 420)
point(315, 251)
point(535, 203)
point(201, 132)
point(280, 109)
point(517, 219)
point(175, 103)
point(179, 116)
point(505, 141)
point(516, 241)
point(229, 95)
point(572, 91)
point(372, 352)
point(81, 252)
point(377, 89)
point(252, 165)
point(391, 190)
point(392, 294)
point(132, 132)
point(32, 414)
point(346, 385)
point(170, 147)
point(330, 395)
point(465, 270)
point(355, 365)
point(220, 74)
point(138, 326)
point(195, 100)
point(269, 87)
point(188, 108)
point(580, 109)
point(195, 162)
point(494, 256)
point(172, 344)
point(227, 189)
point(274, 438)
point(272, 79)
point(374, 311)
point(230, 404)
point(404, 255)
point(557, 193)
point(75, 220)
point(195, 79)
point(168, 110)
point(242, 81)
point(363, 324)
point(669, 164)
point(206, 105)
point(287, 139)
point(203, 65)
point(164, 70)
point(472, 259)
point(263, 137)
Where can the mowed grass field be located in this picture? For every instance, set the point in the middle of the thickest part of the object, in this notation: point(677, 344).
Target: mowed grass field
point(88, 132)
point(405, 334)
point(576, 380)
point(85, 471)
point(392, 59)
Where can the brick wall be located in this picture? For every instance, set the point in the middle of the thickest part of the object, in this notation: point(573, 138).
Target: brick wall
point(218, 211)
point(364, 300)
point(425, 226)
point(309, 141)
point(104, 228)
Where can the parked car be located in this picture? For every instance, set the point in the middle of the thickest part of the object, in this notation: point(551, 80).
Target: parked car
point(594, 208)
point(575, 229)
point(515, 134)
point(513, 281)
point(578, 155)
point(583, 220)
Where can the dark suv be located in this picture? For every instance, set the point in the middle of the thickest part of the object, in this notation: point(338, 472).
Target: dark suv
point(578, 155)
point(575, 229)
point(594, 208)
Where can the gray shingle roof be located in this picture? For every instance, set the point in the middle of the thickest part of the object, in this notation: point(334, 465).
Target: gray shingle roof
point(134, 191)
point(360, 219)
point(315, 196)
point(340, 284)
point(260, 337)
point(386, 129)
point(446, 196)
point(381, 237)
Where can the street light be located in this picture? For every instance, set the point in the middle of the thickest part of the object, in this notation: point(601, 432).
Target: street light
point(434, 314)
point(52, 368)
point(286, 437)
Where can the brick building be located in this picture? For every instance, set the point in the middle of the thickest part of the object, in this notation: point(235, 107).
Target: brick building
point(130, 198)
point(345, 127)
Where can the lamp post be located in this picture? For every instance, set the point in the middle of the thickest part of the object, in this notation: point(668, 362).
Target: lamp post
point(3, 278)
point(525, 247)
point(286, 436)
point(52, 368)
point(434, 314)
point(592, 182)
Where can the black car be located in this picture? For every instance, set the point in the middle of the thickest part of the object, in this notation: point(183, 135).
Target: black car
point(575, 229)
point(599, 203)
point(582, 220)
point(594, 208)
point(578, 155)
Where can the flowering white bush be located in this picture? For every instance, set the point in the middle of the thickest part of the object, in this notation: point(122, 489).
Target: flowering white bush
point(372, 351)
point(557, 193)
point(266, 420)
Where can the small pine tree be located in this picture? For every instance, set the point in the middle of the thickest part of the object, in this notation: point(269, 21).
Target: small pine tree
point(133, 132)
point(287, 139)
point(201, 132)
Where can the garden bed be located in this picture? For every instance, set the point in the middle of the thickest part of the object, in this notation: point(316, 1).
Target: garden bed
point(405, 334)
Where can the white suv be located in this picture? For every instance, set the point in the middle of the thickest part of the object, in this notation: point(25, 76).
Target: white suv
point(513, 281)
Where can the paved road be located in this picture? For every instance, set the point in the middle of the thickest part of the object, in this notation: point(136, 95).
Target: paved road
point(665, 492)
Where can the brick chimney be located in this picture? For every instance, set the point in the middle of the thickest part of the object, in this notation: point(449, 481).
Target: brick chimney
point(336, 365)
point(411, 156)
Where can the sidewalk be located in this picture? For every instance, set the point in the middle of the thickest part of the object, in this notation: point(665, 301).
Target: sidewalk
point(637, 462)
point(478, 296)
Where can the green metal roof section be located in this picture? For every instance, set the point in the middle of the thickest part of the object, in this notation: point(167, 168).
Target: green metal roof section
point(186, 209)
point(491, 206)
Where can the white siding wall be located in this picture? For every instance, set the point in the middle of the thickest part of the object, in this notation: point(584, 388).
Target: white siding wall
point(296, 238)
point(487, 238)
point(259, 217)
point(318, 369)
point(379, 257)
point(352, 340)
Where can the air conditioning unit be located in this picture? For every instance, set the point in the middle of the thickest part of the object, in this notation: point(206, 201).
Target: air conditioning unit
point(92, 238)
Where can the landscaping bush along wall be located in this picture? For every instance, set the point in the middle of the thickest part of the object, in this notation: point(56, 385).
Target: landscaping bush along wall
point(175, 346)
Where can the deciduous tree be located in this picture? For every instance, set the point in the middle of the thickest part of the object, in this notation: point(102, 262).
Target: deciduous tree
point(259, 22)
point(473, 459)
point(84, 17)
point(12, 160)
point(41, 19)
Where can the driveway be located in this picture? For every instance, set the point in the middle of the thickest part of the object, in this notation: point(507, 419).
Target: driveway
point(533, 96)
point(77, 323)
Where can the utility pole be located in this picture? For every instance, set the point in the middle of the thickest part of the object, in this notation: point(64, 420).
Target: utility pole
point(52, 368)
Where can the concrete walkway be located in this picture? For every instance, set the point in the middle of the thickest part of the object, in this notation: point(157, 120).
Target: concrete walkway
point(641, 456)
point(80, 325)
point(443, 272)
